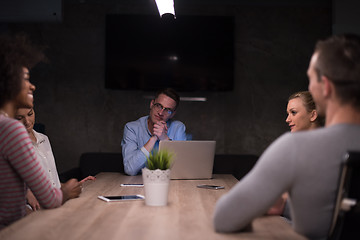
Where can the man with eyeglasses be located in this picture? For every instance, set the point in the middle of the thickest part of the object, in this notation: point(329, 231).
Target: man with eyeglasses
point(143, 135)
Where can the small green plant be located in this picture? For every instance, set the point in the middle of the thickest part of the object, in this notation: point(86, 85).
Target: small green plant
point(159, 160)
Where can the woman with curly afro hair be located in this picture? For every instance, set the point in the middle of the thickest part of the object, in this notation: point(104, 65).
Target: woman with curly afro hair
point(19, 167)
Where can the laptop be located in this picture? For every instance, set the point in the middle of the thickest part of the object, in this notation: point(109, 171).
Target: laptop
point(192, 159)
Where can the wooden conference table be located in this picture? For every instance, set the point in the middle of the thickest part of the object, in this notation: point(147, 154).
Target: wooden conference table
point(187, 216)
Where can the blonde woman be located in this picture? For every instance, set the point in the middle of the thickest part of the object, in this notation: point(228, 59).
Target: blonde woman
point(302, 116)
point(43, 152)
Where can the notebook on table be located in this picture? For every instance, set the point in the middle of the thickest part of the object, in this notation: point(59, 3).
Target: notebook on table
point(192, 159)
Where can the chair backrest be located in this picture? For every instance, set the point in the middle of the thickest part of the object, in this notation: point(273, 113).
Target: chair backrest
point(236, 164)
point(92, 163)
point(346, 218)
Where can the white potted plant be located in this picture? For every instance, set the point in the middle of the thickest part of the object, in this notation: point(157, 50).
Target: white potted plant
point(156, 178)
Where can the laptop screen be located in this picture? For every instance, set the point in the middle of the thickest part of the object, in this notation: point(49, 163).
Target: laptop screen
point(192, 159)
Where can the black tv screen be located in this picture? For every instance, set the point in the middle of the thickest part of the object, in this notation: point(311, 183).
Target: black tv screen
point(189, 53)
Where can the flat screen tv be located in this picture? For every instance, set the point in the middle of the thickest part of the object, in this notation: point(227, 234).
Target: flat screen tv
point(189, 53)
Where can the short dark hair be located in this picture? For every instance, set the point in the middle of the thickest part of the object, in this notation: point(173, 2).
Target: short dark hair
point(16, 52)
point(171, 93)
point(339, 60)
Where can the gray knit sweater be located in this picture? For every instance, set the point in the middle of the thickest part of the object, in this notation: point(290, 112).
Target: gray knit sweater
point(307, 165)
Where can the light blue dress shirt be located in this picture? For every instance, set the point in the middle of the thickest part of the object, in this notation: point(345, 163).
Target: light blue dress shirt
point(136, 134)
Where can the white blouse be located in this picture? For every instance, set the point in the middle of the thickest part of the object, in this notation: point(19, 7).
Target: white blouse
point(45, 155)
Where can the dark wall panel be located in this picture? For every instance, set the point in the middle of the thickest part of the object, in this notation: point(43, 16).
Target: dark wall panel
point(274, 43)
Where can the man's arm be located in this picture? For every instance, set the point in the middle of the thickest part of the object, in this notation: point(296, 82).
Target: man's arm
point(134, 157)
point(177, 131)
point(149, 145)
point(258, 190)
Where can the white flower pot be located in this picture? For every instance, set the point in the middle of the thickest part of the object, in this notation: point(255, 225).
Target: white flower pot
point(156, 184)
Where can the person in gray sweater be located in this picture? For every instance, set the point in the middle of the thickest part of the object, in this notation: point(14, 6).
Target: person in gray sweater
point(302, 116)
point(306, 164)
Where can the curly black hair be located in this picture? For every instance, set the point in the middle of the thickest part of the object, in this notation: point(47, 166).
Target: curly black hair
point(16, 52)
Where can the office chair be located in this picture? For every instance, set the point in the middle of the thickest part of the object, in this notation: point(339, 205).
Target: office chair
point(92, 163)
point(236, 164)
point(346, 219)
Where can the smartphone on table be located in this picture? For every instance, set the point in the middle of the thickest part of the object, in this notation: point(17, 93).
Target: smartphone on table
point(207, 186)
point(121, 198)
point(132, 185)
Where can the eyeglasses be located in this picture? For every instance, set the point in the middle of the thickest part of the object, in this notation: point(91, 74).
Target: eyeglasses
point(158, 107)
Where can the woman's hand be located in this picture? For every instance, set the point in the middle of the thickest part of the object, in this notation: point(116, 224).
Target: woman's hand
point(87, 179)
point(32, 201)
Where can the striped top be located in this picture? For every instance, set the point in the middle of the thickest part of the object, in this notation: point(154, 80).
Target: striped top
point(20, 168)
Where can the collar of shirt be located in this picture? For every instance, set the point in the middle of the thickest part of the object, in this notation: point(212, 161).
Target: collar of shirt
point(39, 138)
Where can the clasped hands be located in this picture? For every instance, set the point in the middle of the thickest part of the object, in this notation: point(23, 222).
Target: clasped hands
point(160, 130)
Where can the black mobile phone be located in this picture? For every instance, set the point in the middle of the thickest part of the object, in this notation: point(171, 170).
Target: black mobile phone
point(210, 186)
point(121, 198)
